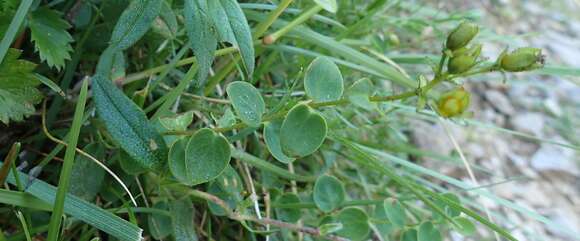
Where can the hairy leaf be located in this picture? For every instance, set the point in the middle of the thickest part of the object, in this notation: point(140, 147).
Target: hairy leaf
point(202, 34)
point(51, 40)
point(18, 92)
point(128, 125)
point(233, 27)
point(134, 23)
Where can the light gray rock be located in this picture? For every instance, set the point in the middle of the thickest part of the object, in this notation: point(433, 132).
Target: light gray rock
point(555, 158)
point(499, 101)
point(529, 123)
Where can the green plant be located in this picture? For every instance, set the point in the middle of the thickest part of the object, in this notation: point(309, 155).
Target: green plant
point(233, 141)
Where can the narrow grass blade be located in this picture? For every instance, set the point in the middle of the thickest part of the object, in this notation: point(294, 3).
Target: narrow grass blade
point(83, 210)
point(22, 199)
point(69, 156)
point(24, 225)
point(14, 27)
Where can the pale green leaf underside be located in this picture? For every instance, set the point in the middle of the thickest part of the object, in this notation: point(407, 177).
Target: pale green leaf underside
point(247, 102)
point(323, 80)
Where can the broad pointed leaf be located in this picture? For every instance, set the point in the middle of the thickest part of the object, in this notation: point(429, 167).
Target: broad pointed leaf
point(128, 125)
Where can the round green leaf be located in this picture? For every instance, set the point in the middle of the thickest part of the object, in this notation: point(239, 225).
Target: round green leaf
point(328, 193)
point(323, 81)
point(291, 215)
point(201, 158)
point(272, 139)
point(230, 181)
point(428, 232)
point(328, 5)
point(395, 212)
point(409, 235)
point(355, 224)
point(464, 226)
point(303, 131)
point(247, 102)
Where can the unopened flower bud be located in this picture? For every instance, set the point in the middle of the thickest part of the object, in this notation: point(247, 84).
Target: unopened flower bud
point(453, 103)
point(522, 59)
point(461, 35)
point(460, 64)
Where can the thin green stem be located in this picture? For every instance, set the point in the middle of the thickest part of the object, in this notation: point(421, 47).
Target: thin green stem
point(14, 26)
point(264, 25)
point(64, 180)
point(297, 21)
point(264, 165)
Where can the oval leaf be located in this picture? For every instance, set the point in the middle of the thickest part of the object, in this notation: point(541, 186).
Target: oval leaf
point(328, 5)
point(428, 232)
point(134, 23)
point(272, 139)
point(201, 158)
point(323, 81)
point(303, 131)
point(202, 35)
point(247, 102)
point(128, 125)
point(328, 193)
point(395, 212)
point(355, 225)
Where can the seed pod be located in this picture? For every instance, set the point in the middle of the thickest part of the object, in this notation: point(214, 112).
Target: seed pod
point(522, 59)
point(453, 103)
point(461, 35)
point(460, 64)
